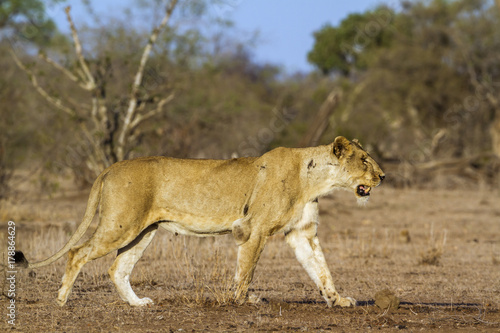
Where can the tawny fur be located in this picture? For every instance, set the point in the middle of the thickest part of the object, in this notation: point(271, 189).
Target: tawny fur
point(252, 198)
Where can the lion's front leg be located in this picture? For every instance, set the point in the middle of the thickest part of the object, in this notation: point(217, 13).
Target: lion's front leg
point(310, 255)
point(304, 241)
point(329, 286)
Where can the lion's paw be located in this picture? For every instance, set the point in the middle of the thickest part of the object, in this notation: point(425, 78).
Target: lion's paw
point(253, 299)
point(61, 302)
point(142, 302)
point(346, 302)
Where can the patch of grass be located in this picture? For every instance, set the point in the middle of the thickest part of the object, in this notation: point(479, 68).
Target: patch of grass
point(373, 244)
point(432, 255)
point(191, 279)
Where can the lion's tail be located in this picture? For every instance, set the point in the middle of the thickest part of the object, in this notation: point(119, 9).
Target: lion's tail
point(94, 198)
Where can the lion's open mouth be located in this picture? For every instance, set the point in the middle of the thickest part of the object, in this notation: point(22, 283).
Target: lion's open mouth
point(363, 190)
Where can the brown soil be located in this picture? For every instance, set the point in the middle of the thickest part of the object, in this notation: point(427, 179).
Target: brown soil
point(437, 251)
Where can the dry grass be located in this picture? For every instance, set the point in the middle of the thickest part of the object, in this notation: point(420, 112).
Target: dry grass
point(437, 250)
point(432, 255)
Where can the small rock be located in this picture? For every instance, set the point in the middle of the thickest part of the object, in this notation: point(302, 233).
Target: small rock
point(404, 236)
point(385, 299)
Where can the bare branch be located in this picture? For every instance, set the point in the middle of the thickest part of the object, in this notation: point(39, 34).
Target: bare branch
point(93, 112)
point(96, 109)
point(451, 162)
point(64, 70)
point(159, 108)
point(480, 85)
point(34, 82)
point(493, 100)
point(353, 97)
point(321, 121)
point(131, 110)
point(78, 48)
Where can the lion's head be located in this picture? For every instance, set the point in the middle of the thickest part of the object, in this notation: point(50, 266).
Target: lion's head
point(363, 173)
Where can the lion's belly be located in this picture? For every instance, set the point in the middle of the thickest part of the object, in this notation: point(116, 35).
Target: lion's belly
point(200, 230)
point(193, 224)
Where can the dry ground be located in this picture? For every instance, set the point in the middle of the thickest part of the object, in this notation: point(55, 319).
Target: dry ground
point(438, 251)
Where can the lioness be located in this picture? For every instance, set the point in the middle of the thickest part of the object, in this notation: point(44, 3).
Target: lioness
point(252, 198)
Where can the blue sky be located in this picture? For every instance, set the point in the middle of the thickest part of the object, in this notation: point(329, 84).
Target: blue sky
point(285, 26)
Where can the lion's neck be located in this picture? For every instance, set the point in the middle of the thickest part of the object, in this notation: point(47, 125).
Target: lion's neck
point(320, 171)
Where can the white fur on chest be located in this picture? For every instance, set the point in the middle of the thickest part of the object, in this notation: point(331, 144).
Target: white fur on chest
point(308, 215)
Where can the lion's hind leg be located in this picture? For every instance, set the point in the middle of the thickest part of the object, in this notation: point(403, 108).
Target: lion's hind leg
point(124, 263)
point(77, 258)
point(248, 255)
point(108, 237)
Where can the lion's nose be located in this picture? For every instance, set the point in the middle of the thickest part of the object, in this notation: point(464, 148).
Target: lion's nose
point(382, 177)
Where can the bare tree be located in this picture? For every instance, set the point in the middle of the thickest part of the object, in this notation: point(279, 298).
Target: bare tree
point(495, 127)
point(108, 139)
point(321, 120)
point(485, 87)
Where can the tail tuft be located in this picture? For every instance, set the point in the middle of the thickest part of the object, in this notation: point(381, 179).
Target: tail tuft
point(20, 259)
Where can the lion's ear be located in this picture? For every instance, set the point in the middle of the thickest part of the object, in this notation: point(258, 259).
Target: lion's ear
point(357, 142)
point(340, 146)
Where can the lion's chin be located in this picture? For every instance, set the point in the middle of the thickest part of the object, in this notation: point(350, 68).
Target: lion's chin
point(362, 201)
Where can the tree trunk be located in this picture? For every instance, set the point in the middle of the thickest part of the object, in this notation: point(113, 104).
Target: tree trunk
point(321, 121)
point(495, 131)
